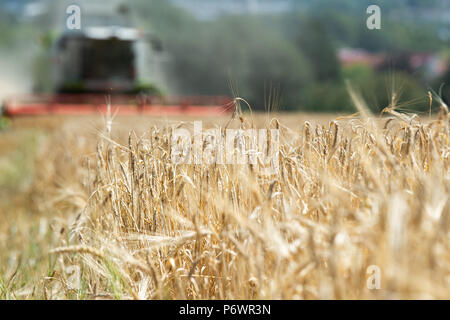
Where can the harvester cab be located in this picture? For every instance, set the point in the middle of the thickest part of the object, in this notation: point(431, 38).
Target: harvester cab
point(98, 60)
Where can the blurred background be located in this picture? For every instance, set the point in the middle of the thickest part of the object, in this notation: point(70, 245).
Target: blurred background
point(294, 55)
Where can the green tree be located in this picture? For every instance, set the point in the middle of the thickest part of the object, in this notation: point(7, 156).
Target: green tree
point(315, 42)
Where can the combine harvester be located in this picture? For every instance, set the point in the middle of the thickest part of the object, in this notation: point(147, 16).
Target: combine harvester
point(106, 63)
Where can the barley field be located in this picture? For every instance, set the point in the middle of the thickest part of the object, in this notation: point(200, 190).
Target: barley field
point(95, 209)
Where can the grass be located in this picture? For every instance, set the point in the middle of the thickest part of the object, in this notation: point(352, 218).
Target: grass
point(112, 217)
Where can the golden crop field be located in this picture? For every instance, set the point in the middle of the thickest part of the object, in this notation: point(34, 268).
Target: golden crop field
point(95, 209)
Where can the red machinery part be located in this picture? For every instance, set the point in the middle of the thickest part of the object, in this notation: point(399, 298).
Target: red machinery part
point(89, 104)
